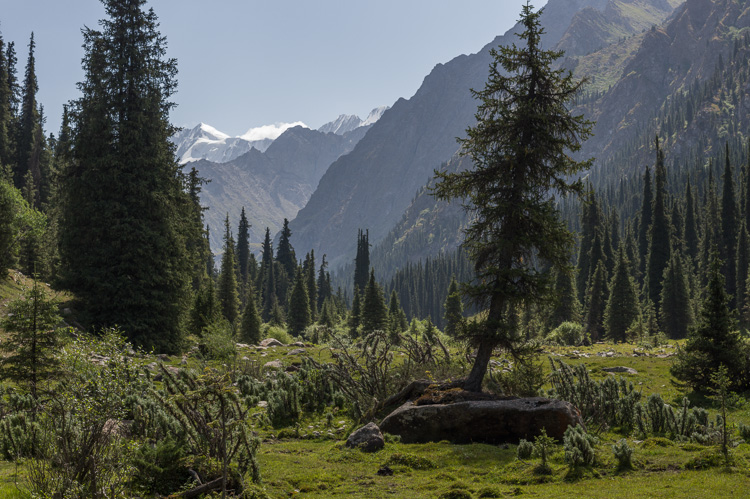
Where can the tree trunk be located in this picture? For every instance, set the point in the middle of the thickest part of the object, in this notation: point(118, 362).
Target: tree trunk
point(479, 369)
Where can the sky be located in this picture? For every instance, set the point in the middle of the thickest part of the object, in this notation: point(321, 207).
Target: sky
point(247, 63)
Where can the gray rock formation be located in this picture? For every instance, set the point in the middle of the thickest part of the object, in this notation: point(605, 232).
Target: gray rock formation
point(368, 438)
point(487, 421)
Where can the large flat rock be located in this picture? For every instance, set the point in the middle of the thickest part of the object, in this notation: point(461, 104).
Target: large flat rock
point(487, 421)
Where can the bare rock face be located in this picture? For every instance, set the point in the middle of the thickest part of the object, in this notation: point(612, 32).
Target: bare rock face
point(487, 421)
point(368, 438)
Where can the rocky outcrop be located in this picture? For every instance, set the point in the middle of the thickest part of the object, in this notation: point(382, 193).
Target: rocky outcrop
point(368, 438)
point(487, 421)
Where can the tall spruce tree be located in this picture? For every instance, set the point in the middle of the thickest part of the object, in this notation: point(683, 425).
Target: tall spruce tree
point(566, 307)
point(243, 255)
point(362, 260)
point(285, 253)
point(622, 306)
point(598, 293)
point(28, 148)
point(659, 235)
point(266, 278)
point(713, 341)
point(250, 326)
point(676, 314)
point(691, 226)
point(374, 315)
point(730, 228)
point(645, 221)
point(5, 109)
point(308, 272)
point(589, 229)
point(519, 148)
point(122, 242)
point(324, 283)
point(743, 262)
point(299, 306)
point(227, 292)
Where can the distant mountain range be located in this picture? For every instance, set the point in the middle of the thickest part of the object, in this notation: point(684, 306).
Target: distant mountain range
point(206, 142)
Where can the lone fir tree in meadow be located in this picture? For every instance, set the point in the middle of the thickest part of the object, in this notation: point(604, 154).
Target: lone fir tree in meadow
point(374, 314)
point(520, 149)
point(454, 310)
point(122, 243)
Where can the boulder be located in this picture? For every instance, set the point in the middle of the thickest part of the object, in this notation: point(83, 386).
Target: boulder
point(271, 342)
point(274, 364)
point(368, 438)
point(487, 421)
point(619, 369)
point(296, 351)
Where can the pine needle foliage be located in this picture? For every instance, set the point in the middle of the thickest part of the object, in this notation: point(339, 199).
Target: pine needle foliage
point(520, 150)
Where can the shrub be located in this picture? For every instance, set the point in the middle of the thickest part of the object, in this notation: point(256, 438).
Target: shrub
point(525, 449)
point(623, 454)
point(278, 333)
point(543, 446)
point(744, 432)
point(218, 342)
point(410, 461)
point(579, 446)
point(567, 334)
point(489, 492)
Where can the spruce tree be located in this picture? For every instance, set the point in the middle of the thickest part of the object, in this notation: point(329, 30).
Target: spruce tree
point(589, 228)
point(712, 342)
point(285, 253)
point(374, 314)
point(645, 221)
point(6, 157)
point(691, 226)
point(362, 260)
point(324, 283)
point(122, 228)
point(299, 306)
point(659, 235)
point(454, 309)
point(676, 314)
point(743, 262)
point(730, 228)
point(32, 342)
point(566, 307)
point(520, 152)
point(622, 306)
point(266, 278)
point(29, 130)
point(250, 326)
point(227, 292)
point(206, 309)
point(243, 255)
point(597, 293)
point(308, 271)
point(396, 317)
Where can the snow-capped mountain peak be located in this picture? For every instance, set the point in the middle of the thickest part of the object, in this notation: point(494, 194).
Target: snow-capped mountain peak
point(348, 122)
point(375, 115)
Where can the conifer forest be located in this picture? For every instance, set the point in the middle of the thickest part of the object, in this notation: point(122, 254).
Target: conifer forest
point(560, 305)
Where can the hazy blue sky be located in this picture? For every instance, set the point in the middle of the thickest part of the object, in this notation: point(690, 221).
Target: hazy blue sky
point(248, 63)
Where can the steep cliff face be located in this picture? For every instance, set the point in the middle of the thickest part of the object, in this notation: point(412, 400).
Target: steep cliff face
point(667, 61)
point(372, 186)
point(593, 28)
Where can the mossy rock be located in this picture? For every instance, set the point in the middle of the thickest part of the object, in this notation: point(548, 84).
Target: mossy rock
point(410, 461)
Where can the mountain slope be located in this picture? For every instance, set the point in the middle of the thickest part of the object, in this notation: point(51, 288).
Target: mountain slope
point(371, 187)
point(271, 185)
